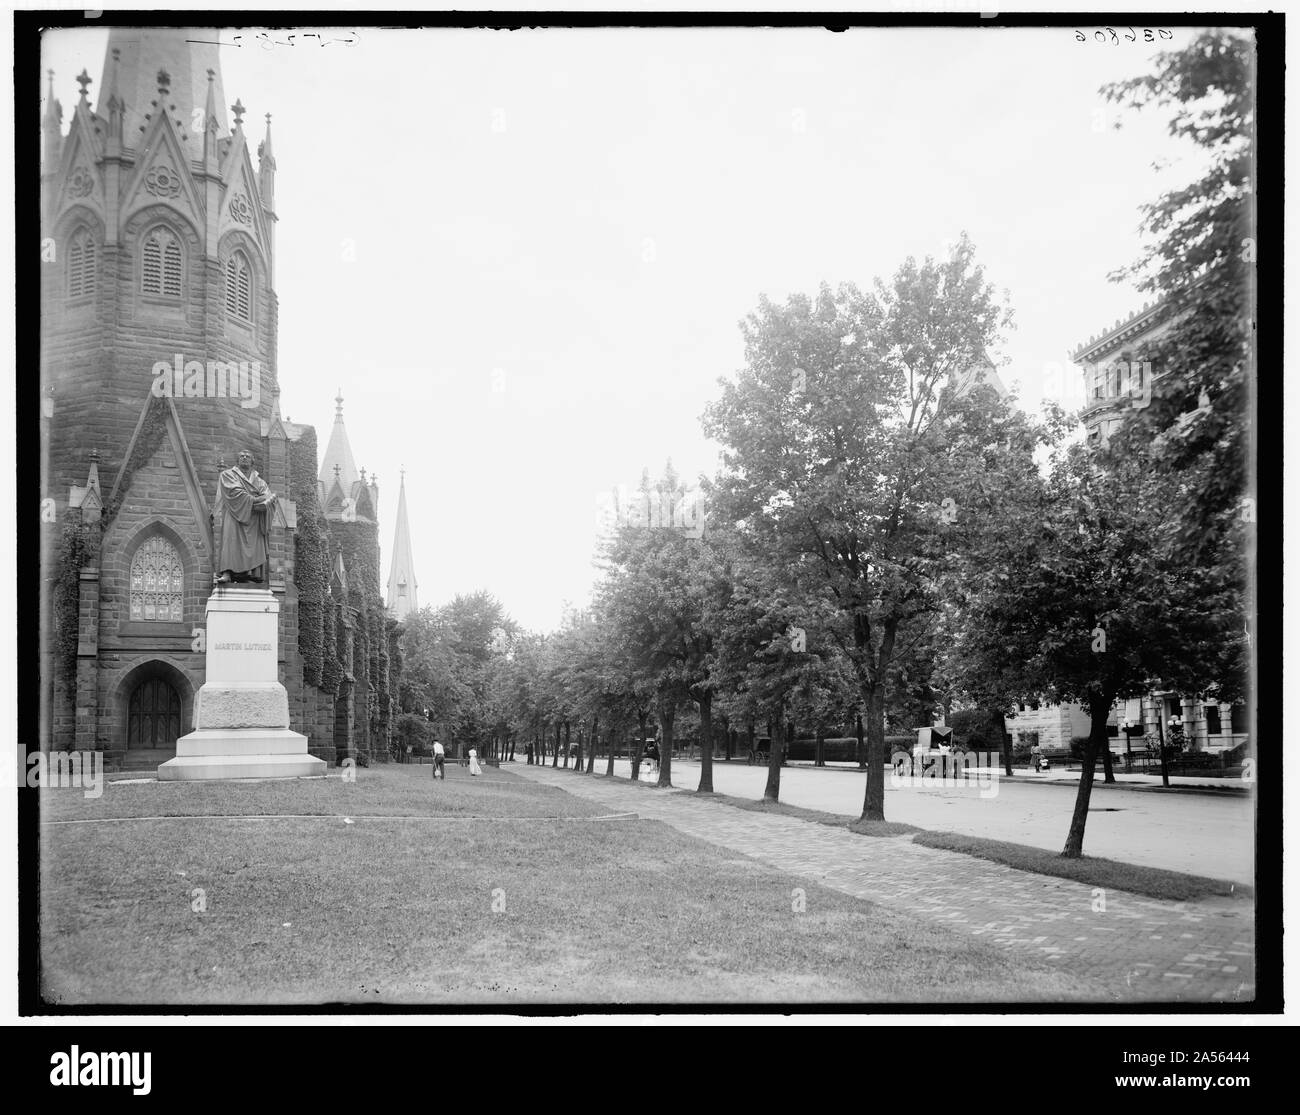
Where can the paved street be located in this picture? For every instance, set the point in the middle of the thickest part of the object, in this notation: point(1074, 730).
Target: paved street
point(1135, 950)
point(1197, 833)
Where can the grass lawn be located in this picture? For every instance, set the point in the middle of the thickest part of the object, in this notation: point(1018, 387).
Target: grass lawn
point(1154, 882)
point(398, 906)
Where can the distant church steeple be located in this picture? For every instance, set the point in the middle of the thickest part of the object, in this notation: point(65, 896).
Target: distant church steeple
point(339, 452)
point(402, 586)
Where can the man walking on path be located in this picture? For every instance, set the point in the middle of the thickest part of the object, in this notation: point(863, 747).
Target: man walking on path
point(439, 771)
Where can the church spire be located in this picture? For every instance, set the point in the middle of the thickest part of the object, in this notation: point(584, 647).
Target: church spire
point(211, 126)
point(266, 169)
point(52, 126)
point(338, 462)
point(403, 595)
point(116, 106)
point(134, 57)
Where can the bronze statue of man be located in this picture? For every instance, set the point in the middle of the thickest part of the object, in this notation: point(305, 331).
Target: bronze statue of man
point(241, 524)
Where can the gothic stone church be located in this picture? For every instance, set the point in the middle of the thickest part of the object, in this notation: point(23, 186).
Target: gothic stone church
point(159, 246)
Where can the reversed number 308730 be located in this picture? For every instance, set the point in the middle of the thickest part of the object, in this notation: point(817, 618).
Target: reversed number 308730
point(1128, 34)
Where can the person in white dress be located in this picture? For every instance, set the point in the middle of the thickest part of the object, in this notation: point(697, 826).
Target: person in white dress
point(474, 768)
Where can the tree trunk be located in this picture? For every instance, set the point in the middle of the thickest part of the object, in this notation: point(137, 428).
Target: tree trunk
point(591, 742)
point(772, 791)
point(640, 745)
point(609, 764)
point(749, 737)
point(1098, 707)
point(666, 717)
point(862, 749)
point(731, 742)
point(706, 743)
point(567, 744)
point(819, 760)
point(1108, 773)
point(873, 801)
point(1005, 737)
point(555, 757)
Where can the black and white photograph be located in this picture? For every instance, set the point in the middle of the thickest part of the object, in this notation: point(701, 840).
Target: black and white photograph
point(706, 514)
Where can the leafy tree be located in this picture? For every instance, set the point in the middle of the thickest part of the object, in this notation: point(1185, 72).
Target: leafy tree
point(852, 445)
point(663, 592)
point(763, 657)
point(435, 677)
point(1097, 602)
point(447, 654)
point(1200, 261)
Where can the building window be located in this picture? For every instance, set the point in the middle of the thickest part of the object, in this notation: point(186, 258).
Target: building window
point(1240, 720)
point(1212, 726)
point(157, 582)
point(162, 264)
point(81, 265)
point(239, 287)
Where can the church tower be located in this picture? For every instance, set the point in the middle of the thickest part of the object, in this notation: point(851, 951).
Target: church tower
point(159, 332)
point(349, 502)
point(158, 364)
point(403, 594)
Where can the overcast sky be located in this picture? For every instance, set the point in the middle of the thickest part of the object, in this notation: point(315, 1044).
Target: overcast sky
point(523, 256)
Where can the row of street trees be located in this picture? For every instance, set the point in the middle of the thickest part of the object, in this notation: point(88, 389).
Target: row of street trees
point(885, 534)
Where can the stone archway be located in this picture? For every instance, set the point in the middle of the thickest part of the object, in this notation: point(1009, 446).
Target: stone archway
point(155, 703)
point(153, 718)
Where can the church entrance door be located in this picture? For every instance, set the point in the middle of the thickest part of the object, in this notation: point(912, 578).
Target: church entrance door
point(154, 716)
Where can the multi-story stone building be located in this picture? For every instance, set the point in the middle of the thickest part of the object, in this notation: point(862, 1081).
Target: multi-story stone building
point(159, 364)
point(1122, 369)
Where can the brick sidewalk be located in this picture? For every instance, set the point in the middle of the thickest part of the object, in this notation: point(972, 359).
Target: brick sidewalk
point(1138, 950)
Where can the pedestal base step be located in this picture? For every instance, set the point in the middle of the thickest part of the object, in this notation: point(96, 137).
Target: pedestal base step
point(191, 768)
point(241, 741)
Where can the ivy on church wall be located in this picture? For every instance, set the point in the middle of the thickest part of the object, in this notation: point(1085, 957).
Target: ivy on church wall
point(331, 672)
point(76, 548)
point(394, 629)
point(381, 708)
point(359, 544)
point(311, 562)
point(152, 432)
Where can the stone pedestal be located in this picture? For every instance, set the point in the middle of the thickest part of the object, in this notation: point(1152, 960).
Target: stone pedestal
point(241, 714)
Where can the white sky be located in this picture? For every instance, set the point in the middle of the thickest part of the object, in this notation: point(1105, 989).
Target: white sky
point(581, 218)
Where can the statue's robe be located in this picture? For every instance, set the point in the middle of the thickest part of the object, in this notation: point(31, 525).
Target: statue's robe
point(242, 522)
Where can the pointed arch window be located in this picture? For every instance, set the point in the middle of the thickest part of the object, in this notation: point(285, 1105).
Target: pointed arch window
point(81, 264)
point(239, 287)
point(157, 582)
point(162, 264)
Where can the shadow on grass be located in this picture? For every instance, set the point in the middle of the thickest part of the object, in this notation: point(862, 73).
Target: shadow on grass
point(1153, 882)
point(832, 820)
